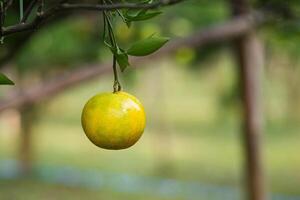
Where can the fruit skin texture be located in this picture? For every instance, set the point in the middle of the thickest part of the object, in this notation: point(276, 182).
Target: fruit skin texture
point(113, 120)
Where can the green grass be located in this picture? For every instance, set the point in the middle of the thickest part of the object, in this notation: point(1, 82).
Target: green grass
point(31, 190)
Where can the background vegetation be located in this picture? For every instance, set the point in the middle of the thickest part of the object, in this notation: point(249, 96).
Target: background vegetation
point(192, 146)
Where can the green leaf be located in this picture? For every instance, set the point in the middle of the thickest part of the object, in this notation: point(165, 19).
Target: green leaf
point(140, 15)
point(147, 46)
point(122, 59)
point(4, 80)
point(132, 13)
point(122, 16)
point(144, 16)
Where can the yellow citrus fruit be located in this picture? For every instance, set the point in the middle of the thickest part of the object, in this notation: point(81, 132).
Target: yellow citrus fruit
point(113, 120)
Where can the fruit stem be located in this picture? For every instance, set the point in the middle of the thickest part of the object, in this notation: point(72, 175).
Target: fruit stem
point(117, 85)
point(108, 25)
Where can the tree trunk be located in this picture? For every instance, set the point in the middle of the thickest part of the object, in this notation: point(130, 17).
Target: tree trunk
point(25, 148)
point(249, 55)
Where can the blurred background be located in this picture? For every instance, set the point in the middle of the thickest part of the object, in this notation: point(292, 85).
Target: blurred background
point(192, 147)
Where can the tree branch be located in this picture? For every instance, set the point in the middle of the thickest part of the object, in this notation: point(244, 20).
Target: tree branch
point(88, 7)
point(43, 91)
point(17, 47)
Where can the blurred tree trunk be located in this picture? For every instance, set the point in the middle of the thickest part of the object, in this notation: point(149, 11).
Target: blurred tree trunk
point(25, 146)
point(250, 60)
point(28, 116)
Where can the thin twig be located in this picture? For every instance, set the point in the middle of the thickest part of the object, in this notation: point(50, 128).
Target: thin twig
point(7, 4)
point(28, 11)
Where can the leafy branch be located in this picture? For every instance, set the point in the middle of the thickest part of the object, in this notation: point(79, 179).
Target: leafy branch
point(128, 12)
point(140, 48)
